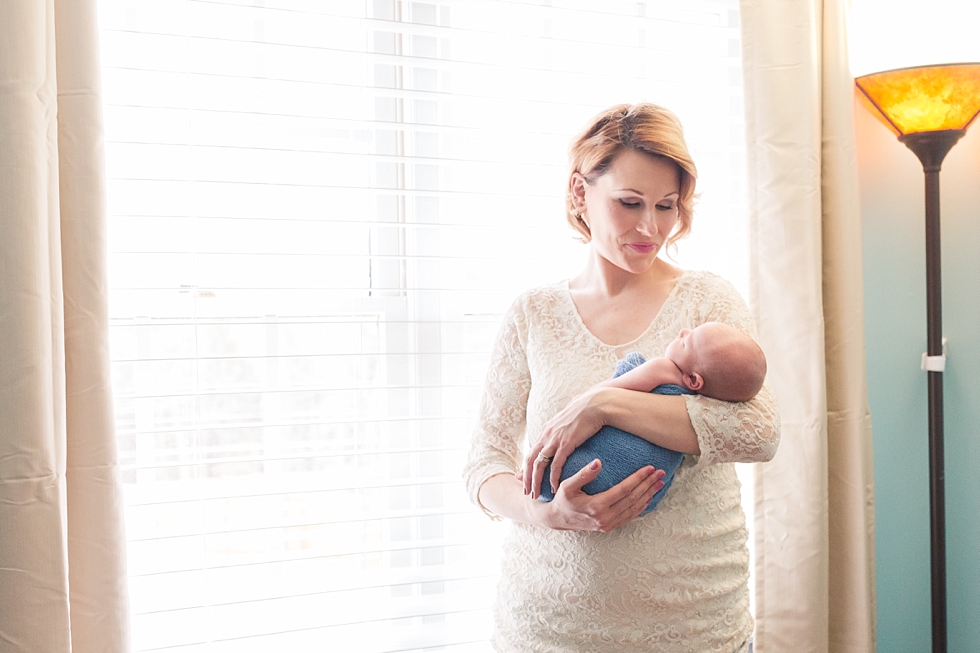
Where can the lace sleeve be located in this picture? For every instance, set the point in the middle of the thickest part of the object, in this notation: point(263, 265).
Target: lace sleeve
point(496, 443)
point(742, 432)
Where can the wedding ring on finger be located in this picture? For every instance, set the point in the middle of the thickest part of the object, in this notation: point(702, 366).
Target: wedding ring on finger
point(542, 458)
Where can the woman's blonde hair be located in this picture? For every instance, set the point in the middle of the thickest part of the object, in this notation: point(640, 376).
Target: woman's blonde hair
point(645, 128)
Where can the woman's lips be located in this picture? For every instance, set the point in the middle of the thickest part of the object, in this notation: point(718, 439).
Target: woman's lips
point(643, 248)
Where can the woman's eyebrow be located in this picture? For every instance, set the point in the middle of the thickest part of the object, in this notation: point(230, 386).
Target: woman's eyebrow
point(633, 190)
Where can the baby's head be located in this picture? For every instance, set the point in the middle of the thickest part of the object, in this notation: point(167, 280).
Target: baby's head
point(719, 361)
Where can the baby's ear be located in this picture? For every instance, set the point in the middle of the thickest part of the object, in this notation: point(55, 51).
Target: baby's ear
point(693, 381)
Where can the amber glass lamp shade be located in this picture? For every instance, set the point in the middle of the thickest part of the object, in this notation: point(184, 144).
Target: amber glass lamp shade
point(931, 98)
point(928, 108)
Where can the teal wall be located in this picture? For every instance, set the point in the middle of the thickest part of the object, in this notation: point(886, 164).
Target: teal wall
point(893, 241)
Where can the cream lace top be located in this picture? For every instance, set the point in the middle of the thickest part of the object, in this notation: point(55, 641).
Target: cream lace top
point(674, 580)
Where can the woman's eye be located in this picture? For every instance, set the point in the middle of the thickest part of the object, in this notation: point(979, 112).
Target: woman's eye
point(629, 204)
point(665, 207)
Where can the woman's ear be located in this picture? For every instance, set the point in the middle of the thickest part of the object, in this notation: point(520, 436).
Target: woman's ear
point(693, 381)
point(577, 191)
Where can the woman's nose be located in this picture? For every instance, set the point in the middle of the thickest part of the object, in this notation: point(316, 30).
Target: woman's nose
point(648, 223)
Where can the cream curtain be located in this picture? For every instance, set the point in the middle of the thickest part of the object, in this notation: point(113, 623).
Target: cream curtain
point(62, 563)
point(814, 502)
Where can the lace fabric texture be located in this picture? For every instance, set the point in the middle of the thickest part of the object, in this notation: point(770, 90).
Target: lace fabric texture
point(673, 580)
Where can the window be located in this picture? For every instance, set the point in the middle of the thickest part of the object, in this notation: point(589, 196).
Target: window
point(318, 212)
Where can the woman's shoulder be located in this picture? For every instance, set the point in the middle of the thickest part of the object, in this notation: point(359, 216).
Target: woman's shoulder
point(702, 286)
point(536, 309)
point(709, 296)
point(535, 299)
point(706, 282)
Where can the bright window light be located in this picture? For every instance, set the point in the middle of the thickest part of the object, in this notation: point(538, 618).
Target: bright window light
point(886, 35)
point(318, 212)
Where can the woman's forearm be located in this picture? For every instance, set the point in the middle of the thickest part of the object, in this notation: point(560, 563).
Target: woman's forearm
point(503, 495)
point(572, 508)
point(660, 419)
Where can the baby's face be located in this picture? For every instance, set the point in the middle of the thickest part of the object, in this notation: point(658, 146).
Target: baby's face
point(696, 348)
point(683, 349)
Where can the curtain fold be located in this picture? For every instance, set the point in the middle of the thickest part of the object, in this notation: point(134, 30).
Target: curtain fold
point(62, 561)
point(850, 460)
point(814, 502)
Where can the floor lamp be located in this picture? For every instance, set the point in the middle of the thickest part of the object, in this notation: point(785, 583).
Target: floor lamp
point(930, 109)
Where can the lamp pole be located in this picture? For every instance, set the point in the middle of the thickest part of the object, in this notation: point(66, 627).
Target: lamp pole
point(931, 148)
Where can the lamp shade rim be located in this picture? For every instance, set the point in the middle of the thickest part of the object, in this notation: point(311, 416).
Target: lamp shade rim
point(955, 64)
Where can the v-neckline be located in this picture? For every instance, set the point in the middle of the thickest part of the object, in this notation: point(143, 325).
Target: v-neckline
point(656, 318)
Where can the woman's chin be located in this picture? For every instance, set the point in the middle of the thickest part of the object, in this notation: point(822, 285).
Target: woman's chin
point(631, 261)
point(638, 264)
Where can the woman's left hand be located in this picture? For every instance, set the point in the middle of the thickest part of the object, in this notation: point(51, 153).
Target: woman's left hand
point(572, 426)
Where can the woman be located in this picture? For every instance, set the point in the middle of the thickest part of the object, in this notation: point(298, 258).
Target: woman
point(583, 573)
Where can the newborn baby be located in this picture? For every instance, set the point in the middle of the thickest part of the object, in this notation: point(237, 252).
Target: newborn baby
point(713, 359)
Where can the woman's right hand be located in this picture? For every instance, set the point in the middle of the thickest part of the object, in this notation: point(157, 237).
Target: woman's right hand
point(572, 509)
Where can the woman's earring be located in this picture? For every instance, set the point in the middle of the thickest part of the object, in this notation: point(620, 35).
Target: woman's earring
point(581, 218)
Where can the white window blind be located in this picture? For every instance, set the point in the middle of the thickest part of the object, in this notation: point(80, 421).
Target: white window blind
point(318, 211)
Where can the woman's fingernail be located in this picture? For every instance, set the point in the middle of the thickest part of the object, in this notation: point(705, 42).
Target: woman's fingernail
point(595, 464)
point(650, 470)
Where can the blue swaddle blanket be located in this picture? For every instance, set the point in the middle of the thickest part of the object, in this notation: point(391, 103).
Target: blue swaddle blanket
point(621, 453)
